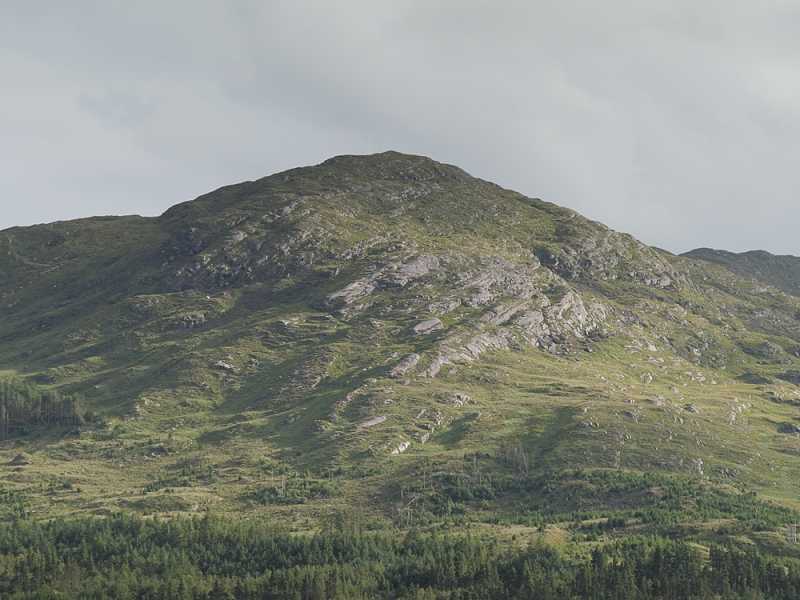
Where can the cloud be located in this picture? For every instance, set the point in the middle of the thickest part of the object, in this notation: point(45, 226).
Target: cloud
point(676, 122)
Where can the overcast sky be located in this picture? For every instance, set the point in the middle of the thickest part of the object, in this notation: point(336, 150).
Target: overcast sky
point(676, 121)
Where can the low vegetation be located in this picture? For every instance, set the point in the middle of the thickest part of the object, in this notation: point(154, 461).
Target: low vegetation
point(127, 558)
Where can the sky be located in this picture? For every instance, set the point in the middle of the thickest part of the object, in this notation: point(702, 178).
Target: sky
point(678, 121)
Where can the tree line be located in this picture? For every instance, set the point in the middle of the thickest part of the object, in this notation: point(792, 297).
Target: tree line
point(23, 405)
point(129, 558)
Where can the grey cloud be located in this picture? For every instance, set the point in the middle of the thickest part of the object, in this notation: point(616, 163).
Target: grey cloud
point(674, 121)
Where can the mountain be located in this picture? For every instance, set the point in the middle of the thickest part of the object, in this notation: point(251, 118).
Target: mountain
point(389, 335)
point(782, 272)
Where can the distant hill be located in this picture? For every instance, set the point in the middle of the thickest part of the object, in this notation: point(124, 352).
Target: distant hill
point(783, 272)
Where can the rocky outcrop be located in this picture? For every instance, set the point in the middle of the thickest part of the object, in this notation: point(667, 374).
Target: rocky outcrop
point(499, 278)
point(593, 253)
point(351, 293)
point(372, 422)
point(404, 366)
point(225, 366)
point(569, 317)
point(428, 326)
point(533, 322)
point(460, 350)
point(400, 448)
point(401, 274)
point(396, 274)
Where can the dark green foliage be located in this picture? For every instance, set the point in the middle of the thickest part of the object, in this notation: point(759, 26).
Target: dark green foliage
point(658, 501)
point(13, 505)
point(187, 473)
point(127, 558)
point(23, 406)
point(294, 490)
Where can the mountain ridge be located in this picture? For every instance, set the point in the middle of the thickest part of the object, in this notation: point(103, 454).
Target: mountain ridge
point(781, 271)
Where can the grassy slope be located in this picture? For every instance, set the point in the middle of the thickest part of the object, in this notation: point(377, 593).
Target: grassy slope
point(136, 314)
point(782, 272)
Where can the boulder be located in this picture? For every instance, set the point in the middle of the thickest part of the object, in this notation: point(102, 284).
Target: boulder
point(20, 460)
point(403, 274)
point(458, 399)
point(404, 366)
point(372, 422)
point(401, 448)
point(349, 294)
point(428, 326)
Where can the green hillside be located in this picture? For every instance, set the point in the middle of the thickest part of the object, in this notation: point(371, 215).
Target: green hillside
point(389, 336)
point(783, 272)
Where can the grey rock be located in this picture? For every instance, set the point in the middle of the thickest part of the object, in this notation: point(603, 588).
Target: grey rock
point(191, 320)
point(428, 326)
point(459, 399)
point(372, 422)
point(501, 314)
point(607, 255)
point(458, 350)
point(349, 294)
point(443, 307)
point(402, 447)
point(405, 365)
point(400, 275)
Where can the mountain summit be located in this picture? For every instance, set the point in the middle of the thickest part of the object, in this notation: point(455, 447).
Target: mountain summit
point(377, 329)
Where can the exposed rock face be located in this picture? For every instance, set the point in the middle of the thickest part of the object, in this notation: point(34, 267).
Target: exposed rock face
point(605, 255)
point(191, 321)
point(395, 274)
point(372, 422)
point(428, 326)
point(459, 399)
point(402, 447)
point(225, 366)
point(460, 350)
point(548, 327)
point(401, 275)
point(569, 317)
point(405, 365)
point(349, 294)
point(497, 278)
